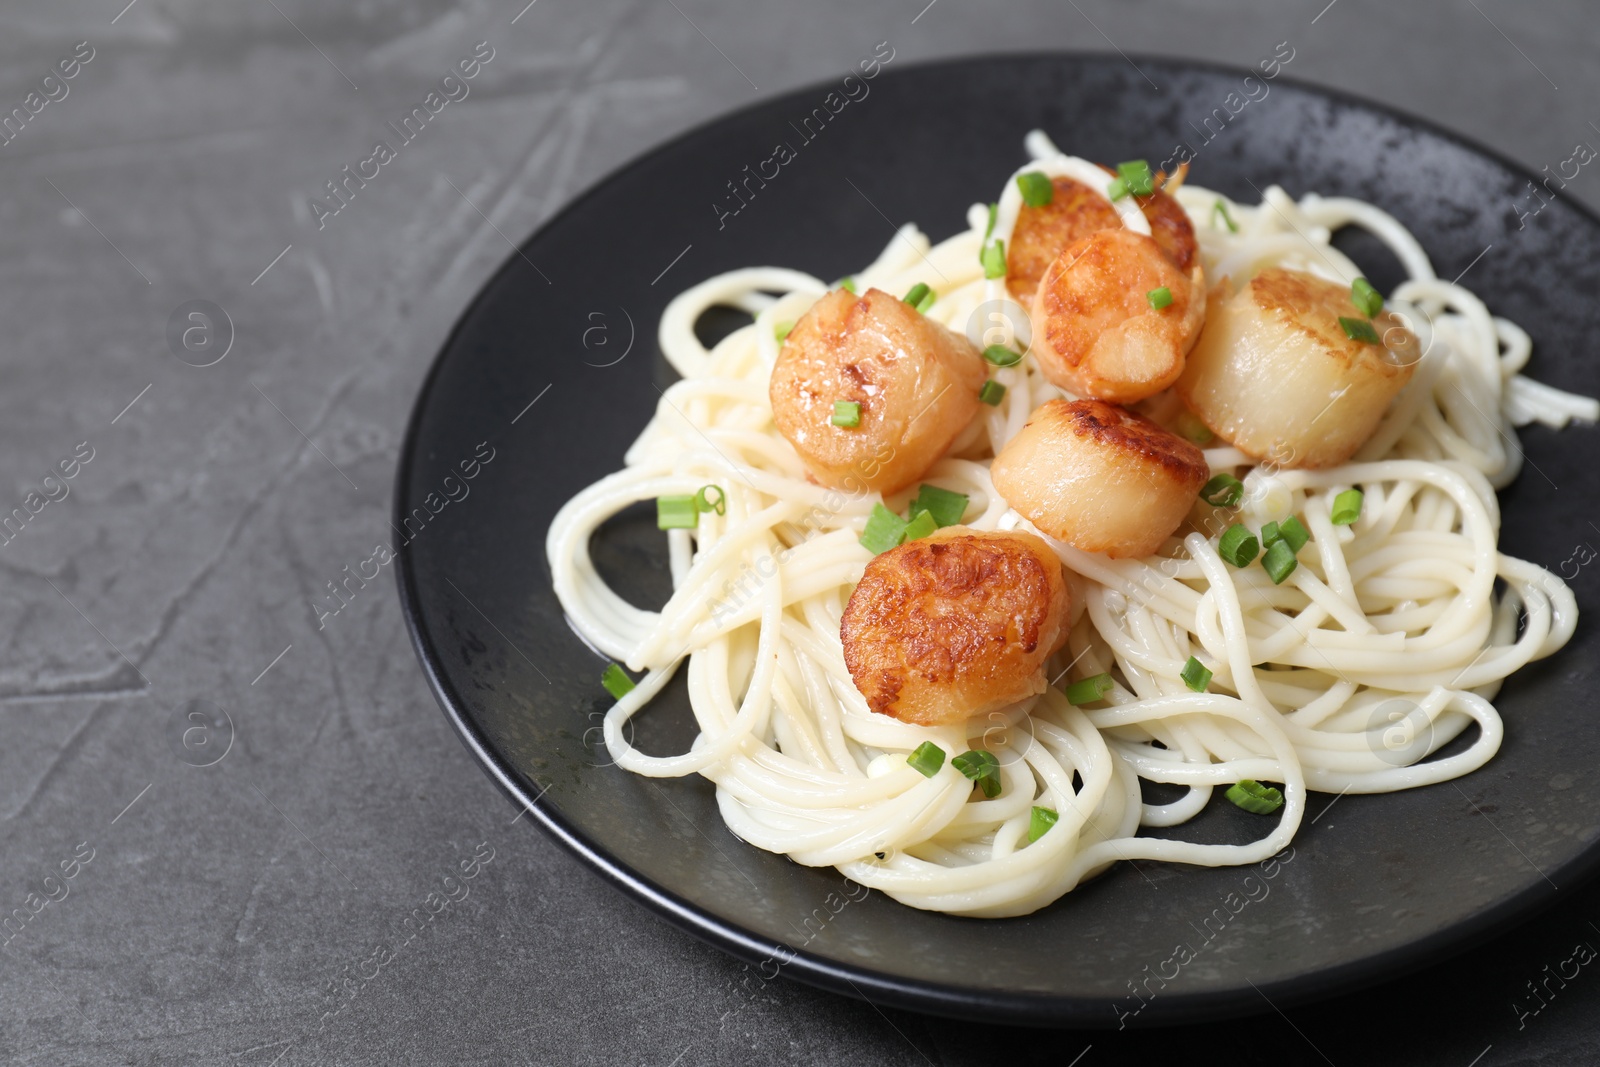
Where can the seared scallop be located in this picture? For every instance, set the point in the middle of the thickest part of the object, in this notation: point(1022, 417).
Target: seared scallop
point(1075, 211)
point(1170, 226)
point(1276, 373)
point(916, 384)
point(1100, 478)
point(1114, 317)
point(954, 625)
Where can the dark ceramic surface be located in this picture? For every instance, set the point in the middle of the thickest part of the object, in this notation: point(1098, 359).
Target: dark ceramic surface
point(1379, 885)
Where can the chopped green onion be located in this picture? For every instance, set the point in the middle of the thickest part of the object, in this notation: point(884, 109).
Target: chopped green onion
point(1159, 298)
point(1279, 562)
point(976, 762)
point(946, 507)
point(1195, 675)
point(921, 525)
point(1221, 208)
point(1089, 690)
point(846, 413)
point(676, 513)
point(927, 759)
point(993, 258)
point(1294, 533)
point(704, 501)
point(1001, 356)
point(883, 531)
point(1254, 797)
point(781, 330)
point(1347, 507)
point(1222, 491)
point(1117, 189)
point(1135, 174)
point(1039, 822)
point(1359, 330)
point(1037, 190)
point(616, 681)
point(848, 283)
point(1291, 530)
point(994, 214)
point(981, 766)
point(1365, 297)
point(917, 294)
point(1189, 425)
point(992, 393)
point(1238, 546)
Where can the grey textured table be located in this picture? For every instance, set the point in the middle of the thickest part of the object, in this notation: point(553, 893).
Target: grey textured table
point(208, 886)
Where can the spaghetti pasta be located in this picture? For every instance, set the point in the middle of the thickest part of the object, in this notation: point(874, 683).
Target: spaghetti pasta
point(1385, 644)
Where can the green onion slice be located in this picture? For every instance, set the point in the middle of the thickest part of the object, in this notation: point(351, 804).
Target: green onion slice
point(1135, 173)
point(1222, 491)
point(927, 759)
point(616, 681)
point(1089, 690)
point(846, 413)
point(711, 498)
point(1037, 190)
point(1347, 507)
point(921, 525)
point(1293, 532)
point(676, 513)
point(781, 330)
point(883, 531)
point(981, 766)
point(1039, 822)
point(917, 294)
point(1238, 545)
point(1195, 675)
point(1254, 797)
point(946, 507)
point(993, 258)
point(1159, 298)
point(1001, 356)
point(1359, 330)
point(1221, 208)
point(1117, 189)
point(1279, 562)
point(992, 393)
point(988, 231)
point(1365, 297)
point(848, 283)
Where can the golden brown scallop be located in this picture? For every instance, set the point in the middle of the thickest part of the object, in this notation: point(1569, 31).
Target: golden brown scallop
point(955, 625)
point(1100, 478)
point(917, 384)
point(1276, 374)
point(1096, 331)
point(1075, 211)
point(1170, 226)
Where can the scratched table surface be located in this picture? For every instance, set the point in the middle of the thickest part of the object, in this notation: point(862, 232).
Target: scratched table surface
point(234, 827)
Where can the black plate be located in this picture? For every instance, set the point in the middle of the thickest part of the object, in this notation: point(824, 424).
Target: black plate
point(1378, 885)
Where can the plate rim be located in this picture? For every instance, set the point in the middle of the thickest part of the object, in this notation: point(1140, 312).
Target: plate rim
point(1010, 1007)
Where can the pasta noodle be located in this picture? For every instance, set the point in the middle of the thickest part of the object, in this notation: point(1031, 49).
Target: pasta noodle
point(1386, 644)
